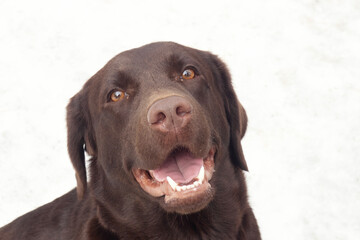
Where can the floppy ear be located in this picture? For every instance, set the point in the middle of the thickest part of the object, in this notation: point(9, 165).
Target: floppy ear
point(235, 114)
point(79, 138)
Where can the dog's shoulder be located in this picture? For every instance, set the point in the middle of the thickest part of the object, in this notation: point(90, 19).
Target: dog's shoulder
point(62, 213)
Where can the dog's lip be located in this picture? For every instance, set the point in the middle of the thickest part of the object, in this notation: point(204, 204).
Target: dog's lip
point(171, 190)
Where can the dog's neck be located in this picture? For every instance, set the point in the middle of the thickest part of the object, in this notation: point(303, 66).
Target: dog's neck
point(151, 221)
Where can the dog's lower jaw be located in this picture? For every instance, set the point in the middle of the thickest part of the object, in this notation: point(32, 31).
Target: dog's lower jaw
point(189, 205)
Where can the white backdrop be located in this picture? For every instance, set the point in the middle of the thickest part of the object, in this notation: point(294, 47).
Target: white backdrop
point(295, 66)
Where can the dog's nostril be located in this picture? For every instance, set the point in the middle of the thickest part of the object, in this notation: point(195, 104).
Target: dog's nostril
point(160, 117)
point(182, 111)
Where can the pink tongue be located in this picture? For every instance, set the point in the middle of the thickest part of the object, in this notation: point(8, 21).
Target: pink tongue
point(181, 167)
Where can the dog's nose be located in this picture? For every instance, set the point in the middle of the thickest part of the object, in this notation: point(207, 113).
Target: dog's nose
point(170, 113)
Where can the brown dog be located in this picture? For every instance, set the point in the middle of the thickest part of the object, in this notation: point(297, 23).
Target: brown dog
point(162, 125)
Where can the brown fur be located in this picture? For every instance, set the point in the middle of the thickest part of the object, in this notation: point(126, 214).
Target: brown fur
point(118, 138)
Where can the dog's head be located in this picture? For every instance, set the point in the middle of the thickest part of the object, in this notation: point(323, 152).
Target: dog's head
point(158, 122)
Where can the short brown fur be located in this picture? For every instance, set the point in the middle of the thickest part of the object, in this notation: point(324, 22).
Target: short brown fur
point(117, 137)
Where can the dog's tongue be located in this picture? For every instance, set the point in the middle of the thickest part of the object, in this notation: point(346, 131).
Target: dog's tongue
point(181, 167)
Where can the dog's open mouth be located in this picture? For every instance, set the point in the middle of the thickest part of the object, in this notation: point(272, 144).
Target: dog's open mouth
point(182, 178)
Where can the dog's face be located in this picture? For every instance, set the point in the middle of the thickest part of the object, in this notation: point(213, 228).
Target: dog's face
point(158, 122)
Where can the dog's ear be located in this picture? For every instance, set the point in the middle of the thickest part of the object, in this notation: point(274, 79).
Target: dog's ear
point(79, 138)
point(235, 114)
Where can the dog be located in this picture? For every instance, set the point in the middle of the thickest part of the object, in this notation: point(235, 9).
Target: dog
point(162, 126)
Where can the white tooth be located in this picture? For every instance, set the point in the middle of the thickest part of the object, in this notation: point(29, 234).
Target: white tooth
point(183, 188)
point(196, 183)
point(171, 182)
point(189, 186)
point(201, 174)
point(178, 188)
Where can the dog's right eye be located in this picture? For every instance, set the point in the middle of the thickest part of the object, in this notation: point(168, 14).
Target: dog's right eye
point(118, 95)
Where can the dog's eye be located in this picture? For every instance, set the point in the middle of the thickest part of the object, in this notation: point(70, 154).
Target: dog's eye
point(118, 95)
point(188, 74)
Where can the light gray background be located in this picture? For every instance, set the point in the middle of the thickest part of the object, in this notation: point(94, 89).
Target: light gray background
point(295, 66)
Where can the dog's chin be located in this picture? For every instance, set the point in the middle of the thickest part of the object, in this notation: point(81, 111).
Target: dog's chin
point(182, 183)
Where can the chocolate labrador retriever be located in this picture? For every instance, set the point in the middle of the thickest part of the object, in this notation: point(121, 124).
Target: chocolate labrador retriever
point(162, 125)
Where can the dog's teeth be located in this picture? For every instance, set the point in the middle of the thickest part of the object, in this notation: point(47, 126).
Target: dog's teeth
point(172, 183)
point(201, 174)
point(178, 188)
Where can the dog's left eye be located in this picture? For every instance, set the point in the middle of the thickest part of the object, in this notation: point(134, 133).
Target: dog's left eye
point(188, 74)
